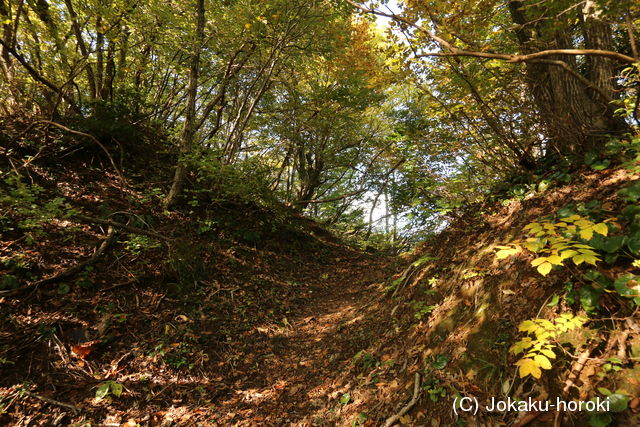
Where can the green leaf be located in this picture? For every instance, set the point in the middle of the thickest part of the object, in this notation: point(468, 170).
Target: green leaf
point(63, 288)
point(554, 301)
point(103, 390)
point(440, 361)
point(9, 281)
point(630, 194)
point(608, 244)
point(345, 399)
point(604, 391)
point(589, 298)
point(633, 243)
point(618, 402)
point(600, 420)
point(627, 286)
point(116, 388)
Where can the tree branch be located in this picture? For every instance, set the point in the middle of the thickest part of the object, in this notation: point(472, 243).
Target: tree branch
point(38, 77)
point(512, 58)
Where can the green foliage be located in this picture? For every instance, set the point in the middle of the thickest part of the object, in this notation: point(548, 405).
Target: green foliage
point(108, 388)
point(422, 309)
point(243, 181)
point(628, 286)
point(616, 402)
point(435, 390)
point(345, 399)
point(439, 361)
point(9, 281)
point(631, 194)
point(139, 244)
point(27, 203)
point(538, 348)
point(365, 360)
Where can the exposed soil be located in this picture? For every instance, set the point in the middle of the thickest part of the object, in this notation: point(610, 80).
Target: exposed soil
point(264, 338)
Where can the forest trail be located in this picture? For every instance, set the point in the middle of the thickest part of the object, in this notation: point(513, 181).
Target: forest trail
point(285, 373)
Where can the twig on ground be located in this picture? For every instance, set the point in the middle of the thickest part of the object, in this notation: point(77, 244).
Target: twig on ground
point(416, 394)
point(53, 402)
point(570, 382)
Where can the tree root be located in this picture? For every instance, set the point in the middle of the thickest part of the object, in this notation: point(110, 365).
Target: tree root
point(130, 228)
point(95, 141)
point(109, 239)
point(416, 394)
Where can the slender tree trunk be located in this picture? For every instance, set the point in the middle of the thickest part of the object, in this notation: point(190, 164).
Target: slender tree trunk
point(99, 56)
point(82, 47)
point(189, 129)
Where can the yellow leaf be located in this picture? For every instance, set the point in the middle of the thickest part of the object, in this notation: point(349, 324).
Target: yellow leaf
point(542, 361)
point(527, 326)
point(601, 228)
point(505, 253)
point(536, 262)
point(578, 259)
point(568, 254)
point(586, 233)
point(590, 259)
point(550, 354)
point(555, 260)
point(544, 268)
point(528, 367)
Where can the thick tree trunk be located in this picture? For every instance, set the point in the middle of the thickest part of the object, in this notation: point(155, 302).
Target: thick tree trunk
point(189, 129)
point(577, 118)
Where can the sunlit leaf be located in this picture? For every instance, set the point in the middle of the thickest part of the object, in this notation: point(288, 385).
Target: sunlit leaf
point(528, 367)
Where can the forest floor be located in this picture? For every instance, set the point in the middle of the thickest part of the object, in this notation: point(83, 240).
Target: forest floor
point(226, 313)
point(244, 329)
point(287, 372)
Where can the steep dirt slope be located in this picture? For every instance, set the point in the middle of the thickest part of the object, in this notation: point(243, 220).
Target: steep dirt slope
point(452, 315)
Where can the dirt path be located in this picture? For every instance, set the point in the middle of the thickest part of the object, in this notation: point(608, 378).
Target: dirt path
point(279, 352)
point(288, 374)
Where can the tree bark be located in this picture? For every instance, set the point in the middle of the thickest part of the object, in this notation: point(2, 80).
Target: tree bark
point(576, 116)
point(189, 129)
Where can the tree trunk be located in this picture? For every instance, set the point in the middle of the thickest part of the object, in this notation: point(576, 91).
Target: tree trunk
point(577, 118)
point(82, 47)
point(189, 129)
